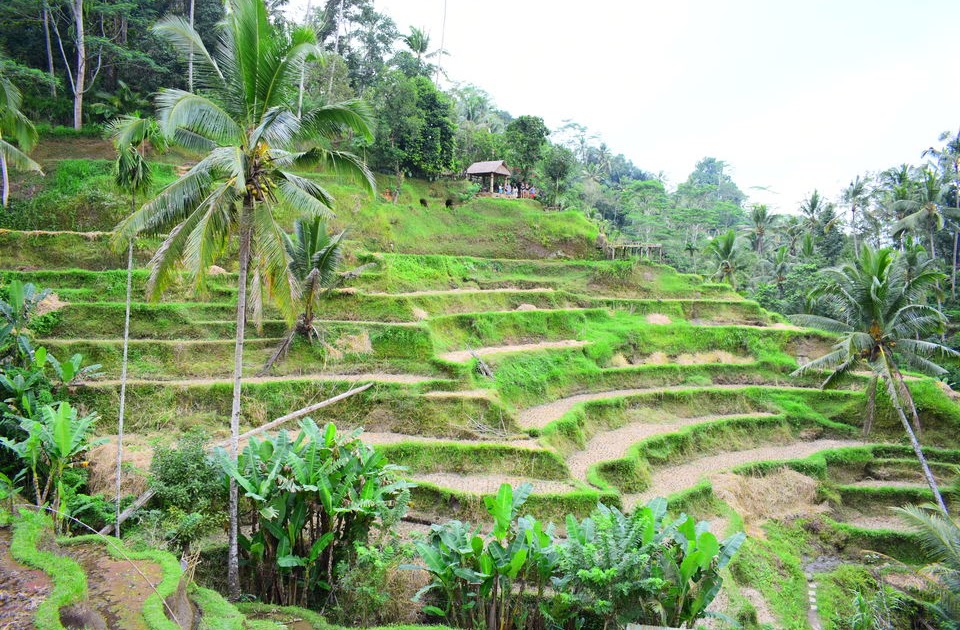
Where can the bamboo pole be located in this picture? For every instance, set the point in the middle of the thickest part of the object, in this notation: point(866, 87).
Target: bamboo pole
point(146, 496)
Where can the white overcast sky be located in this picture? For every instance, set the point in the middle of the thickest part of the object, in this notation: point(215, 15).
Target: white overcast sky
point(793, 96)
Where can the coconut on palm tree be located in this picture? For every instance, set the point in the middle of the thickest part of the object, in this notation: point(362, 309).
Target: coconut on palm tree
point(243, 122)
point(880, 313)
point(16, 126)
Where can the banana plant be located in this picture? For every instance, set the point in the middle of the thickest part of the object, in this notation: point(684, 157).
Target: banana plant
point(72, 371)
point(52, 443)
point(479, 581)
point(15, 314)
point(313, 497)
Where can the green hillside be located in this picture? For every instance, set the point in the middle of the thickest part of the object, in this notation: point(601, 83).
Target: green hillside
point(612, 381)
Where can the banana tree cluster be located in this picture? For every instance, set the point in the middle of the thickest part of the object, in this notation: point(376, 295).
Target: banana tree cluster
point(312, 498)
point(643, 568)
point(613, 568)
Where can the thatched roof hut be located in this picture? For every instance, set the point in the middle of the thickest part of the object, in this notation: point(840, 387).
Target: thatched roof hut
point(492, 169)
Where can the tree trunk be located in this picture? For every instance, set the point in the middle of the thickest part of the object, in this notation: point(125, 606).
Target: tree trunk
point(336, 50)
point(894, 390)
point(6, 180)
point(233, 558)
point(80, 77)
point(190, 56)
point(853, 229)
point(870, 411)
point(123, 372)
point(49, 48)
point(953, 270)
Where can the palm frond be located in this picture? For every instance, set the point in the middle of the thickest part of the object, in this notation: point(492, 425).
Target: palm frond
point(178, 109)
point(187, 41)
point(304, 196)
point(821, 322)
point(17, 158)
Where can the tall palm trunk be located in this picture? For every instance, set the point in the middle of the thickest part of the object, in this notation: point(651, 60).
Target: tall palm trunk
point(123, 372)
point(233, 558)
point(6, 180)
point(49, 49)
point(190, 56)
point(894, 390)
point(853, 228)
point(953, 267)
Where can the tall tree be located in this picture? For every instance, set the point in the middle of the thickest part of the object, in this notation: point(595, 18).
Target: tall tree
point(242, 120)
point(762, 221)
point(725, 250)
point(132, 175)
point(14, 124)
point(525, 137)
point(856, 195)
point(948, 159)
point(878, 309)
point(926, 215)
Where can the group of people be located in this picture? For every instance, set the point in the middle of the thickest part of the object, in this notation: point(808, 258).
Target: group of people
point(522, 191)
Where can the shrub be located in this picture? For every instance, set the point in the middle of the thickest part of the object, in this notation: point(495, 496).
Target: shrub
point(189, 491)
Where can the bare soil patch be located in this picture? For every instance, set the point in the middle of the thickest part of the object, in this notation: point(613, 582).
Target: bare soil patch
point(658, 319)
point(489, 484)
point(460, 356)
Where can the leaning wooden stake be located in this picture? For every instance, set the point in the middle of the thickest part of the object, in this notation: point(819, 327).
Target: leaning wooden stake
point(146, 496)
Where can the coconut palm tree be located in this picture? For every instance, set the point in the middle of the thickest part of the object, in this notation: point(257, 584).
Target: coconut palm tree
point(926, 215)
point(243, 120)
point(948, 159)
point(418, 41)
point(777, 267)
point(724, 249)
point(856, 195)
point(132, 175)
point(760, 225)
point(881, 316)
point(315, 259)
point(16, 126)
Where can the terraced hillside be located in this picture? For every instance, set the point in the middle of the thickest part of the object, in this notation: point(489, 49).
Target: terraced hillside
point(592, 380)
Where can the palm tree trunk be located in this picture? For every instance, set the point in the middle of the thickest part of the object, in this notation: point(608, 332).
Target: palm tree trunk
point(123, 376)
point(894, 390)
point(6, 180)
point(953, 270)
point(870, 411)
point(853, 229)
point(190, 56)
point(233, 558)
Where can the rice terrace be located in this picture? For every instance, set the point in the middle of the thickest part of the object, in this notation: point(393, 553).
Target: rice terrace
point(300, 329)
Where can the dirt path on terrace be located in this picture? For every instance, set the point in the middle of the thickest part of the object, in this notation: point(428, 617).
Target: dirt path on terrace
point(456, 291)
point(615, 444)
point(90, 235)
point(542, 415)
point(671, 479)
point(489, 484)
point(378, 438)
point(464, 355)
point(408, 379)
point(21, 589)
point(879, 522)
point(117, 588)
